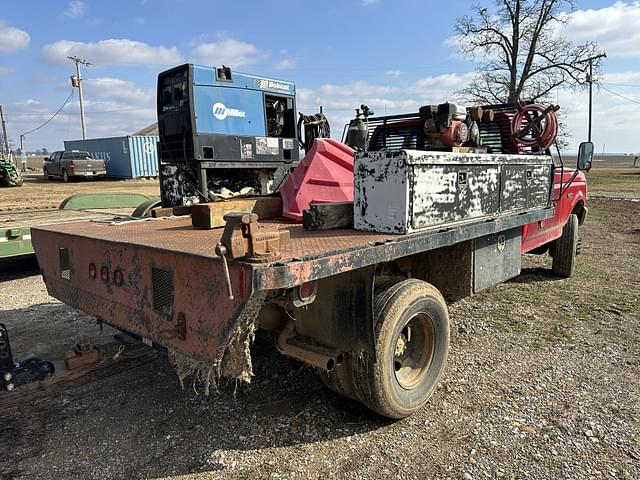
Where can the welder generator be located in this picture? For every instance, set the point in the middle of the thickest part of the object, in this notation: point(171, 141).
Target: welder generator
point(221, 132)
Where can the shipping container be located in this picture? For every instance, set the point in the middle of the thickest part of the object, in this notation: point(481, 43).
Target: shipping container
point(131, 156)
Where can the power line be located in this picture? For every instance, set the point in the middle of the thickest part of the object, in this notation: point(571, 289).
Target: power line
point(629, 99)
point(54, 116)
point(619, 85)
point(93, 113)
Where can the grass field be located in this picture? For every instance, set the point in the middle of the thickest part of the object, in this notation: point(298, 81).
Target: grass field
point(618, 180)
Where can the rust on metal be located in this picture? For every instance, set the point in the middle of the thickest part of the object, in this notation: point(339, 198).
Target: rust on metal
point(85, 353)
point(244, 237)
point(312, 354)
point(190, 305)
point(174, 288)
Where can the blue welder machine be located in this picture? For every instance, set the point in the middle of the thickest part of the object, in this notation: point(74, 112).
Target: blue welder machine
point(222, 129)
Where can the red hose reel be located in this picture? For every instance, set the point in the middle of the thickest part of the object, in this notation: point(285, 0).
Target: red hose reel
point(535, 126)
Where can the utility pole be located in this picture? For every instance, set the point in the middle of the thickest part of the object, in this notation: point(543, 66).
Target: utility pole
point(590, 80)
point(76, 81)
point(4, 133)
point(23, 153)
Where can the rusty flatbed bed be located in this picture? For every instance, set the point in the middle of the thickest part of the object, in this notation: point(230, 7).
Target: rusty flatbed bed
point(173, 286)
point(310, 255)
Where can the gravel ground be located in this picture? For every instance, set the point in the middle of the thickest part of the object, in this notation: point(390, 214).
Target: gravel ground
point(543, 382)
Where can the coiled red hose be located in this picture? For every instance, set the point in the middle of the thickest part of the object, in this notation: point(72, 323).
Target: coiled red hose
point(528, 121)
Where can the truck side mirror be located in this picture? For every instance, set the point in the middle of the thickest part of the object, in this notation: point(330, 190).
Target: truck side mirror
point(585, 156)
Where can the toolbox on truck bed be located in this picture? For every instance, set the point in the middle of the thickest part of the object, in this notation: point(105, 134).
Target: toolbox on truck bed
point(403, 191)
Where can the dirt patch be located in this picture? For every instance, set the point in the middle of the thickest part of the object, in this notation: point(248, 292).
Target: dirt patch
point(38, 192)
point(542, 382)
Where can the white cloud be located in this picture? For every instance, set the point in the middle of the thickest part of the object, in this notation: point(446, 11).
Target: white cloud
point(340, 100)
point(230, 52)
point(118, 89)
point(110, 52)
point(440, 86)
point(394, 73)
point(625, 78)
point(75, 9)
point(359, 88)
point(12, 39)
point(614, 120)
point(30, 102)
point(286, 63)
point(615, 28)
point(113, 106)
point(105, 117)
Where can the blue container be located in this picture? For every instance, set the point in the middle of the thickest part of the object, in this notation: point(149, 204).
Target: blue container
point(125, 157)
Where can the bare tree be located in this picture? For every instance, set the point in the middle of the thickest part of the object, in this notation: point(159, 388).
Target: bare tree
point(520, 50)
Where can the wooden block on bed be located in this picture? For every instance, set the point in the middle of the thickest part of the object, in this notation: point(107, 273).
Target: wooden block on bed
point(211, 215)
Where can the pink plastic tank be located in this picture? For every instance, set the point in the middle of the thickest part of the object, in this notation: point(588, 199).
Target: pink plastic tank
point(324, 175)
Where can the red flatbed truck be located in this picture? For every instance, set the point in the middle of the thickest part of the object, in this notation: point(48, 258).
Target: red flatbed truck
point(366, 308)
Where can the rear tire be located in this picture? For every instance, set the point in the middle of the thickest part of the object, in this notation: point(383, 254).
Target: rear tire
point(65, 176)
point(565, 249)
point(412, 342)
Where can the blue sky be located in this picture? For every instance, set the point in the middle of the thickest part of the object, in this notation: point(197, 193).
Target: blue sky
point(391, 54)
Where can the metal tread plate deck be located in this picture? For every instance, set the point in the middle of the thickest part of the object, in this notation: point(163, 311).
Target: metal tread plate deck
point(308, 256)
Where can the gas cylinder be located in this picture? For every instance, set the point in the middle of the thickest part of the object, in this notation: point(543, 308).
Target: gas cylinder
point(358, 130)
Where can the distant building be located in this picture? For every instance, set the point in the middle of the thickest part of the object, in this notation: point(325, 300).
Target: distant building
point(150, 130)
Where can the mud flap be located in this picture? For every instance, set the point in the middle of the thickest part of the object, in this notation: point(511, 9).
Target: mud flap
point(342, 314)
point(233, 357)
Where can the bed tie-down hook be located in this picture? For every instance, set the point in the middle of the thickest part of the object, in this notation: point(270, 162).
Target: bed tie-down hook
point(243, 237)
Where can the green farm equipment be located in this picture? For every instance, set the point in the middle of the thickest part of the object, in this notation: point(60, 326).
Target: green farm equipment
point(15, 226)
point(9, 174)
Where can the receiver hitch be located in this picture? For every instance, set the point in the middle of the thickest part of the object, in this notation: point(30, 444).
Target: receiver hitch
point(28, 369)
